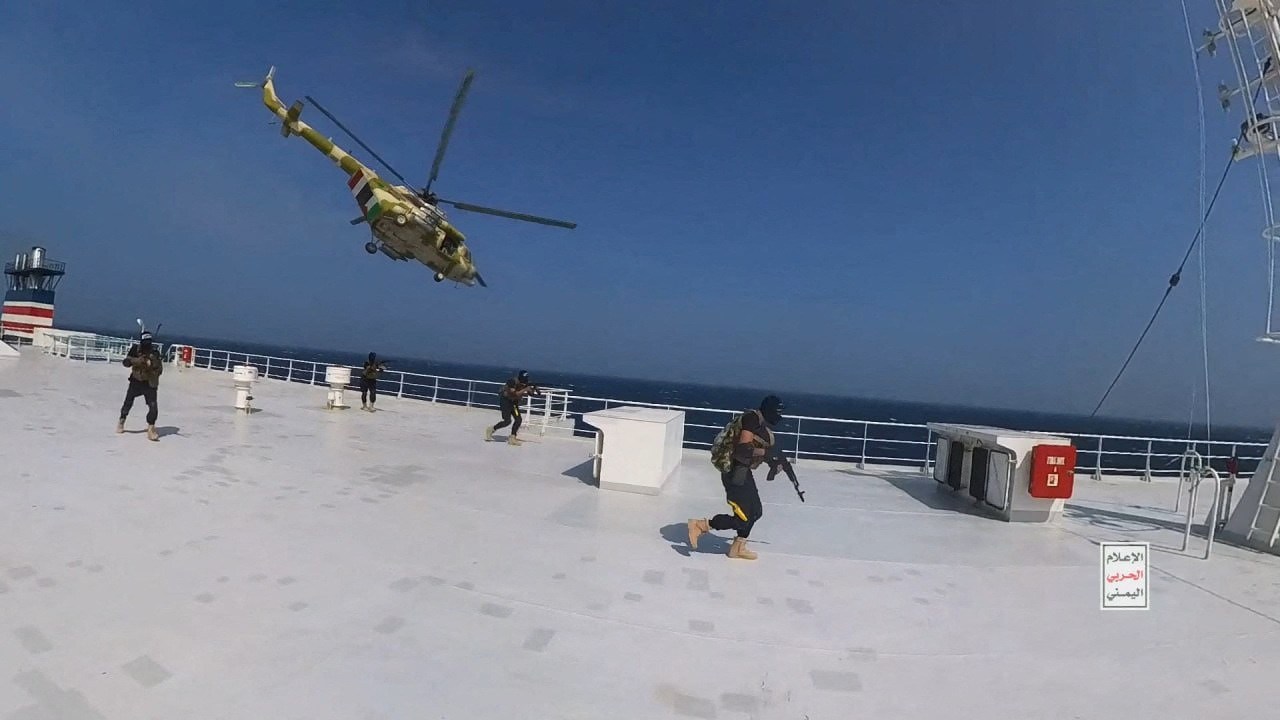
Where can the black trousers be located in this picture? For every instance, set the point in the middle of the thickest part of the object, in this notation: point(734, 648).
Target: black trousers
point(368, 391)
point(744, 500)
point(510, 410)
point(148, 393)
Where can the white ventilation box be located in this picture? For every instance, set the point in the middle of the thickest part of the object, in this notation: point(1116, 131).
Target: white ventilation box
point(639, 448)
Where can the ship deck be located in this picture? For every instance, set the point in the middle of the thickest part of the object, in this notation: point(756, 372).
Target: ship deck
point(303, 563)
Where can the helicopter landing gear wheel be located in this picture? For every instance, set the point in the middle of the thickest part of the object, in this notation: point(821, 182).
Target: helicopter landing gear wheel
point(401, 220)
point(439, 277)
point(370, 248)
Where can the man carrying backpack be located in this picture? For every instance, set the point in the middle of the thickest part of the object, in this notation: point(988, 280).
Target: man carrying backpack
point(512, 392)
point(736, 458)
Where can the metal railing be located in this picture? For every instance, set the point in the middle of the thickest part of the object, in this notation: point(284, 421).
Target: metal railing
point(50, 266)
point(1193, 474)
point(545, 412)
point(77, 346)
point(860, 442)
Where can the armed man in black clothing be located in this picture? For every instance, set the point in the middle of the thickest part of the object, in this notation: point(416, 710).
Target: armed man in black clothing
point(755, 445)
point(369, 381)
point(144, 379)
point(512, 392)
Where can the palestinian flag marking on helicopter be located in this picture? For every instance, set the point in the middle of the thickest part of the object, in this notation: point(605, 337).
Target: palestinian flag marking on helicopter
point(359, 185)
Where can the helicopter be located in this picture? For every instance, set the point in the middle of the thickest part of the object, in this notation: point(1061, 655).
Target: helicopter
point(406, 224)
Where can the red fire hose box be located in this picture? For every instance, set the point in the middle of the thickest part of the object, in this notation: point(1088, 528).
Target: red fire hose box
point(1052, 471)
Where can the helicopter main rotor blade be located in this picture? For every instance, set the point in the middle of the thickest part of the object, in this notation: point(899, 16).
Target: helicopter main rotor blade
point(352, 135)
point(512, 215)
point(448, 127)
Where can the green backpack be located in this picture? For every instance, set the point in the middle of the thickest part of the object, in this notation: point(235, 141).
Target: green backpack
point(722, 446)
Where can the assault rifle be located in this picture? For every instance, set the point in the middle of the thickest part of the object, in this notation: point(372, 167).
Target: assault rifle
point(785, 466)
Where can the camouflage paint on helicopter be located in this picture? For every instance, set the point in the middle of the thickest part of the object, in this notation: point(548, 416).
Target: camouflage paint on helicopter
point(406, 224)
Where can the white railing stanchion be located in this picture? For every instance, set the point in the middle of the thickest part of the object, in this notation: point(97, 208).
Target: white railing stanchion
point(1211, 531)
point(1182, 476)
point(862, 459)
point(928, 448)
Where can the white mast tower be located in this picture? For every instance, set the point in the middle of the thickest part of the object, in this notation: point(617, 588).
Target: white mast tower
point(1251, 30)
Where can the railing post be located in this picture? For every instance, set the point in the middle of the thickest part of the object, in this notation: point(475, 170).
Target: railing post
point(1182, 474)
point(546, 412)
point(266, 373)
point(470, 385)
point(1097, 472)
point(928, 448)
point(290, 376)
point(796, 454)
point(1147, 475)
point(400, 392)
point(435, 394)
point(862, 460)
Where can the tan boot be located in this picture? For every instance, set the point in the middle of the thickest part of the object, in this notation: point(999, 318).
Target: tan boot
point(697, 526)
point(120, 427)
point(739, 550)
point(488, 434)
point(151, 433)
point(513, 440)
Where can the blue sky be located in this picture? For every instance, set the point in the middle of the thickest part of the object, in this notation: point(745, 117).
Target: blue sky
point(958, 203)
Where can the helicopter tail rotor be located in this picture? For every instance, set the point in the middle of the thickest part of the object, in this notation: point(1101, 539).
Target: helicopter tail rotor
point(270, 74)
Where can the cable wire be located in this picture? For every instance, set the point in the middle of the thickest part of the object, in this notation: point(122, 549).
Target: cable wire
point(1173, 282)
point(1204, 303)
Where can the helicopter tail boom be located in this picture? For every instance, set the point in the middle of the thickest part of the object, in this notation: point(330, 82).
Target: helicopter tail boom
point(291, 124)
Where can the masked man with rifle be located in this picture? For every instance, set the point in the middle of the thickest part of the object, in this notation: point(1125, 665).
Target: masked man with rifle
point(512, 392)
point(369, 375)
point(144, 379)
point(736, 457)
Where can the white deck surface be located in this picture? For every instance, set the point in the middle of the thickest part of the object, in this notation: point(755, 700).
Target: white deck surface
point(299, 563)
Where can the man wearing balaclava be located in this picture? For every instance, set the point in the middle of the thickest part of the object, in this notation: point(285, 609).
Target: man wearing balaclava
point(755, 445)
point(509, 397)
point(369, 382)
point(146, 366)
